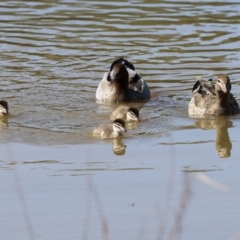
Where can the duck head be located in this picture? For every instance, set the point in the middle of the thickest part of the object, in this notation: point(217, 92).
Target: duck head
point(124, 62)
point(132, 74)
point(3, 107)
point(133, 114)
point(119, 125)
point(118, 75)
point(223, 84)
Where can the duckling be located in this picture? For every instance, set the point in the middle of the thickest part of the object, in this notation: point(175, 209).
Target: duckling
point(213, 100)
point(114, 131)
point(122, 83)
point(129, 114)
point(3, 108)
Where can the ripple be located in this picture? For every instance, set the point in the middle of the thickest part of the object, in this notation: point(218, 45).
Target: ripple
point(53, 56)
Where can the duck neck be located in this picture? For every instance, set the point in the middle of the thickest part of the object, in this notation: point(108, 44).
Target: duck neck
point(116, 133)
point(222, 98)
point(121, 91)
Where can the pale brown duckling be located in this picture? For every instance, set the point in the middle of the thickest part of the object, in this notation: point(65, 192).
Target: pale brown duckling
point(106, 131)
point(128, 114)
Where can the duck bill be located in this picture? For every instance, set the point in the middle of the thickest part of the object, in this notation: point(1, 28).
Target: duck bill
point(224, 88)
point(5, 113)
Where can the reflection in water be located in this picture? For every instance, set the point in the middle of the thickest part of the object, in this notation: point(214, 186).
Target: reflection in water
point(221, 124)
point(118, 146)
point(132, 125)
point(3, 122)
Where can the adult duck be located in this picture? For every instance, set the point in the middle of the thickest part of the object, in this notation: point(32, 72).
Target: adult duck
point(210, 99)
point(122, 83)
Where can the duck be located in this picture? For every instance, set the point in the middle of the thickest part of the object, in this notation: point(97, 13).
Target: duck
point(122, 83)
point(3, 108)
point(210, 99)
point(128, 114)
point(106, 131)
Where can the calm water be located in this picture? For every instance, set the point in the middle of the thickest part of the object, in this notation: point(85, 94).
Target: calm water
point(59, 183)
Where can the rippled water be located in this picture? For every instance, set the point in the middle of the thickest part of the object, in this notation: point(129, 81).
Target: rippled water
point(54, 54)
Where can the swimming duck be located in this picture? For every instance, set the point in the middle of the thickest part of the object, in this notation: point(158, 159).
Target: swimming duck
point(106, 131)
point(122, 83)
point(129, 114)
point(3, 107)
point(209, 99)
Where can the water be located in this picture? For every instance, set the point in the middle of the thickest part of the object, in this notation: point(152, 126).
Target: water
point(53, 55)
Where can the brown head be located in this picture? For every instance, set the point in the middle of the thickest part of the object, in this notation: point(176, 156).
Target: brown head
point(223, 84)
point(119, 76)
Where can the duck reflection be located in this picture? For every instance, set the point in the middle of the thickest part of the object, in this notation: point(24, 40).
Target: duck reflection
point(3, 122)
point(118, 147)
point(221, 124)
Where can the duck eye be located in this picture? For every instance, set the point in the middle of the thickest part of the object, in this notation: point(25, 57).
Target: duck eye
point(218, 80)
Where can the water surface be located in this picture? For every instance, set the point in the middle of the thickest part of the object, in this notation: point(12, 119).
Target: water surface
point(53, 55)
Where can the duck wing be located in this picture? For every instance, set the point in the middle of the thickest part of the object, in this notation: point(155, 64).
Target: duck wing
point(203, 97)
point(234, 104)
point(204, 87)
point(139, 90)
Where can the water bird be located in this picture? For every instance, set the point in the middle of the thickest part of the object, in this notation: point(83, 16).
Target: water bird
point(128, 114)
point(210, 99)
point(122, 83)
point(3, 108)
point(106, 131)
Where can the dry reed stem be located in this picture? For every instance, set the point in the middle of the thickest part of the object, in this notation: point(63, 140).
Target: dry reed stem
point(185, 196)
point(92, 192)
point(169, 192)
point(20, 195)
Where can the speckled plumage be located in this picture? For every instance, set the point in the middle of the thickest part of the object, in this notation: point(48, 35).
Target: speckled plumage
point(126, 113)
point(213, 100)
point(122, 83)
